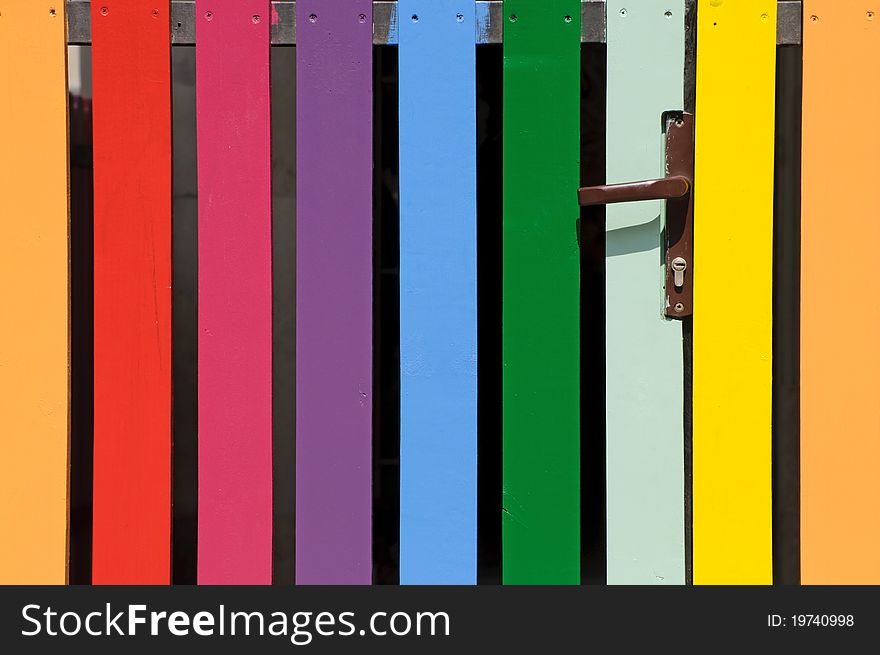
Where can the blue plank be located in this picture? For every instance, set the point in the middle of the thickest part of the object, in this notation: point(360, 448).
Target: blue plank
point(438, 292)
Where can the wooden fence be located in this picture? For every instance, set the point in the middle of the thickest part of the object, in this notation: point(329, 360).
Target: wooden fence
point(688, 386)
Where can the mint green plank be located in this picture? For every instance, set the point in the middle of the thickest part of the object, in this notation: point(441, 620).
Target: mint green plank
point(541, 460)
point(644, 365)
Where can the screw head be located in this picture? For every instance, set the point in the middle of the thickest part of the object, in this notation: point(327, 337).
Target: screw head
point(679, 307)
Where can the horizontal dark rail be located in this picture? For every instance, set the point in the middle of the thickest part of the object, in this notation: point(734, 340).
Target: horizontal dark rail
point(489, 27)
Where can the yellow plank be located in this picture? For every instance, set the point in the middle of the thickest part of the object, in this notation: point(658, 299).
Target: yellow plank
point(733, 245)
point(34, 323)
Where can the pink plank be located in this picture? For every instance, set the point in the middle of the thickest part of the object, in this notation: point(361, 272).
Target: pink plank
point(235, 292)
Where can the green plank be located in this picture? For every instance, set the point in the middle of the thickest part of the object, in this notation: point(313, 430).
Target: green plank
point(644, 355)
point(541, 460)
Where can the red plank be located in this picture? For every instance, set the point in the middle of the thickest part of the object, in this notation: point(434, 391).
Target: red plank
point(132, 152)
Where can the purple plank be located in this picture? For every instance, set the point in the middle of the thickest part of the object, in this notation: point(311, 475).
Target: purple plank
point(334, 289)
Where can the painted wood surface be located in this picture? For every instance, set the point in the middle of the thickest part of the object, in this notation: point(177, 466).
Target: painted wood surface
point(840, 354)
point(334, 287)
point(235, 292)
point(541, 306)
point(131, 77)
point(34, 341)
point(438, 293)
point(733, 242)
point(644, 352)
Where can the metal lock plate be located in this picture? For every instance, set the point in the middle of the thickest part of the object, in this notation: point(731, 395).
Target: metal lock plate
point(680, 217)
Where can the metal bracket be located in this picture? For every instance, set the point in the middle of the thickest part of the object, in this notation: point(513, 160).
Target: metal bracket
point(677, 189)
point(489, 28)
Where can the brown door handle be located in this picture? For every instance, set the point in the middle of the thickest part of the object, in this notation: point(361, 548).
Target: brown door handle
point(667, 188)
point(677, 189)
